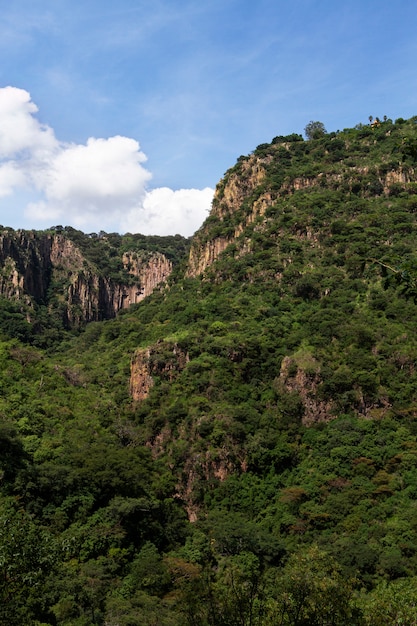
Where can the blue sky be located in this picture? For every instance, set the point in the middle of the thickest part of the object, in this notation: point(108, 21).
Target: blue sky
point(123, 115)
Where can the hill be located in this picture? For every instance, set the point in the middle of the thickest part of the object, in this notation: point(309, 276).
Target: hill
point(239, 447)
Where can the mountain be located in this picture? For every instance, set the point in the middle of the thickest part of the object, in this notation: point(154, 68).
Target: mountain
point(240, 445)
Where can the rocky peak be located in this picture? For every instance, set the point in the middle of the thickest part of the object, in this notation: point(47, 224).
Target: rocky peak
point(278, 170)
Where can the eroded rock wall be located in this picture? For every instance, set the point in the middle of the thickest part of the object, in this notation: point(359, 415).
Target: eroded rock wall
point(33, 265)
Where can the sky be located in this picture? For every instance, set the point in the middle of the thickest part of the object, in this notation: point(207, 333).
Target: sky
point(123, 115)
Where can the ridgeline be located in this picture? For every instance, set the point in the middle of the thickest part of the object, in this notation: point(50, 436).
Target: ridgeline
point(220, 431)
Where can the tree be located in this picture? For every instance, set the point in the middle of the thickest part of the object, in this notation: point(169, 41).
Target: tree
point(391, 603)
point(28, 556)
point(313, 590)
point(315, 130)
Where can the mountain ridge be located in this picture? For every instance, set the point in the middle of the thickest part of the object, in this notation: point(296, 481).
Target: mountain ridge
point(240, 446)
point(249, 176)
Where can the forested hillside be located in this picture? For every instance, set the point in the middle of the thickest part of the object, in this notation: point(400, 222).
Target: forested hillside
point(239, 448)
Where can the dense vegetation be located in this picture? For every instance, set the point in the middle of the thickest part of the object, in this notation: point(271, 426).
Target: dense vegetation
point(281, 420)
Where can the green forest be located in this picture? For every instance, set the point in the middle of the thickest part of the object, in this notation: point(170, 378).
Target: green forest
point(267, 475)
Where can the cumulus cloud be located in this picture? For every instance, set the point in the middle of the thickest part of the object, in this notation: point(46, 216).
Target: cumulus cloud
point(20, 131)
point(92, 184)
point(97, 186)
point(11, 177)
point(163, 209)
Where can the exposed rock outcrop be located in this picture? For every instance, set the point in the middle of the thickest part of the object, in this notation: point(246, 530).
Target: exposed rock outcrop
point(93, 297)
point(141, 380)
point(33, 264)
point(149, 274)
point(231, 193)
point(244, 194)
point(304, 381)
point(164, 360)
point(202, 255)
point(25, 265)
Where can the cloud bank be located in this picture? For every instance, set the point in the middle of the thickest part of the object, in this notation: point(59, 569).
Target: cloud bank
point(102, 185)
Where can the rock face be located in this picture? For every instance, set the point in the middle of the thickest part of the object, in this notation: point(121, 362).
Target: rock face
point(141, 380)
point(149, 274)
point(230, 195)
point(93, 298)
point(202, 255)
point(49, 269)
point(302, 376)
point(25, 265)
point(246, 192)
point(164, 360)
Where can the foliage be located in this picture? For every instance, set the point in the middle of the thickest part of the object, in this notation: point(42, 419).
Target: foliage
point(281, 416)
point(315, 130)
point(392, 603)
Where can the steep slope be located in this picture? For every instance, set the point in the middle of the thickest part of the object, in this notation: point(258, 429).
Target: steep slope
point(241, 447)
point(365, 162)
point(300, 299)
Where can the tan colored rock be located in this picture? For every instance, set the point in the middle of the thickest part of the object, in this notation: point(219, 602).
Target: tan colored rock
point(141, 380)
point(305, 383)
point(203, 256)
point(150, 274)
point(65, 254)
point(164, 359)
point(31, 261)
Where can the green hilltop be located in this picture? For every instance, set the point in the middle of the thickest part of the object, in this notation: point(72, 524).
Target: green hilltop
point(239, 447)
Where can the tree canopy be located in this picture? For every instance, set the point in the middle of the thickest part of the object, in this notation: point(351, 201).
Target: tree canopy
point(315, 130)
point(266, 473)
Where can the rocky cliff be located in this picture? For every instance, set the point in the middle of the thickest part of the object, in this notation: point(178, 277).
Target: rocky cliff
point(225, 223)
point(164, 359)
point(25, 265)
point(92, 297)
point(49, 269)
point(273, 172)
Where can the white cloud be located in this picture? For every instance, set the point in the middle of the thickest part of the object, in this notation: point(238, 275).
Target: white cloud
point(92, 185)
point(11, 177)
point(20, 131)
point(101, 185)
point(168, 212)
